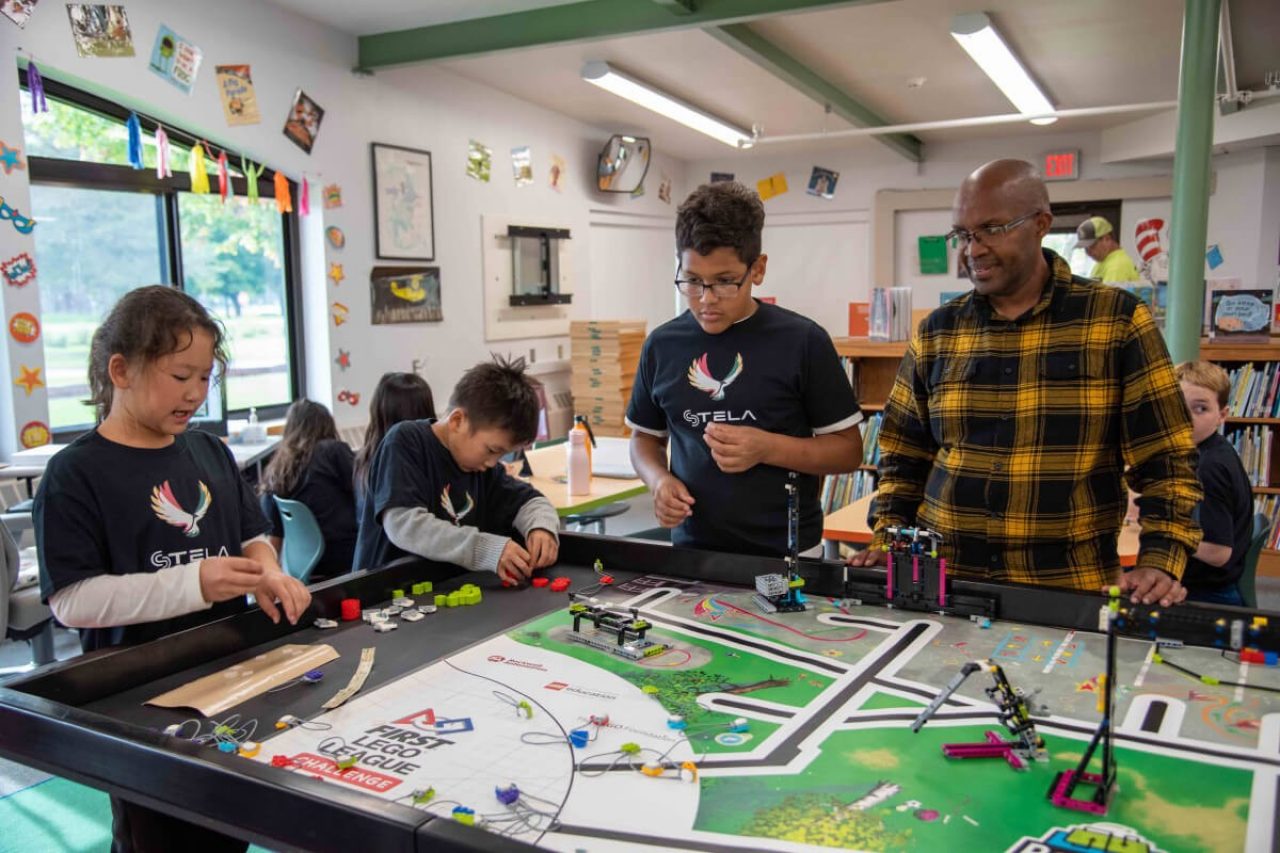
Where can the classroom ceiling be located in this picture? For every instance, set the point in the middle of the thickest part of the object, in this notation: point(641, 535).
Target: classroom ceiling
point(894, 58)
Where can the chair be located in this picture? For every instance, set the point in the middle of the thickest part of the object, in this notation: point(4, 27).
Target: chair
point(597, 515)
point(23, 616)
point(303, 541)
point(1248, 579)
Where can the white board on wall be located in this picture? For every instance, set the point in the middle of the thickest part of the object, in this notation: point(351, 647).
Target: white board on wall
point(629, 278)
point(817, 267)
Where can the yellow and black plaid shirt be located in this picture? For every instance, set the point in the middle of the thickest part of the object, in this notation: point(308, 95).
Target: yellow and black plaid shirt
point(1010, 438)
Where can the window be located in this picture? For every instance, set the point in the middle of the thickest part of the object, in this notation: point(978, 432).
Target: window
point(106, 228)
point(1062, 236)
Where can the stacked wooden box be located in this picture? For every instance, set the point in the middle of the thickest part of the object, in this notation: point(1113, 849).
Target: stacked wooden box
point(604, 356)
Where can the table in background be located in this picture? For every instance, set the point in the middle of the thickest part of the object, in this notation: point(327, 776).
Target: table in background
point(29, 464)
point(550, 465)
point(850, 525)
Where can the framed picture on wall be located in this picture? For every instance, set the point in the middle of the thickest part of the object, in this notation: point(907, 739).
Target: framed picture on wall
point(405, 295)
point(404, 218)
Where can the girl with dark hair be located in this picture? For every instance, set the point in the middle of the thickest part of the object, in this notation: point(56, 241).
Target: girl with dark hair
point(398, 397)
point(145, 527)
point(313, 466)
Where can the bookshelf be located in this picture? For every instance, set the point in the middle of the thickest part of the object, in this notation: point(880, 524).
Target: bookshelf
point(1244, 361)
point(872, 366)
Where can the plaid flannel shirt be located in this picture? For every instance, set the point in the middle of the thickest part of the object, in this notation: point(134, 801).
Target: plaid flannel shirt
point(1010, 438)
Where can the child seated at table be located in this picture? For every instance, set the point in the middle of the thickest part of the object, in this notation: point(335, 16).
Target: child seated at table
point(436, 488)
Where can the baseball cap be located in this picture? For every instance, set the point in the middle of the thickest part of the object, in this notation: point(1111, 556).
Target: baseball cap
point(1090, 230)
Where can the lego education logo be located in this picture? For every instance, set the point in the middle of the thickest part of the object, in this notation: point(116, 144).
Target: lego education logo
point(1087, 838)
point(566, 687)
point(523, 664)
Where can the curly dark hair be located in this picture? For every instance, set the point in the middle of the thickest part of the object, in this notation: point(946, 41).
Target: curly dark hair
point(498, 395)
point(721, 214)
point(398, 397)
point(146, 324)
point(306, 424)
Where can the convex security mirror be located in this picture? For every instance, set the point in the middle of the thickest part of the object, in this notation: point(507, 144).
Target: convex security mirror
point(623, 164)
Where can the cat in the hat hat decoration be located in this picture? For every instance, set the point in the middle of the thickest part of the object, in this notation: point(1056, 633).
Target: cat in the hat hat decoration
point(1155, 261)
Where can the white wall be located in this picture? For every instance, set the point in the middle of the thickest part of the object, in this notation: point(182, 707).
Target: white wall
point(421, 107)
point(1244, 213)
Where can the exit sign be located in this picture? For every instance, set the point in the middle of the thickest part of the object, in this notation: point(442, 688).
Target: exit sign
point(1061, 165)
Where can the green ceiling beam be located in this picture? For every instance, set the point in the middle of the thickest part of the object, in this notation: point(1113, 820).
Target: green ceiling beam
point(804, 79)
point(584, 21)
point(679, 7)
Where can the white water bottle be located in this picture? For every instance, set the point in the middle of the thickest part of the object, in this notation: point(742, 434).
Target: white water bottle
point(579, 463)
point(253, 432)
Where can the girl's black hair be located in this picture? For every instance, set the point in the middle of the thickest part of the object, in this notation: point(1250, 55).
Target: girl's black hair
point(146, 324)
point(398, 397)
point(306, 424)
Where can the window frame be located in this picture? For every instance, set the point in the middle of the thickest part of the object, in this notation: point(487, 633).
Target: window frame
point(54, 171)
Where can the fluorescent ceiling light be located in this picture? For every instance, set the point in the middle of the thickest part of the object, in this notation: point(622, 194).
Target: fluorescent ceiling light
point(625, 86)
point(984, 45)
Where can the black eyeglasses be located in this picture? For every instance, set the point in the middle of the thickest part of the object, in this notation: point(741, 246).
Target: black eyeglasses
point(723, 288)
point(986, 234)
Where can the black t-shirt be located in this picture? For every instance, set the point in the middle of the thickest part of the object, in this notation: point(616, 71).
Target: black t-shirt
point(326, 489)
point(412, 468)
point(775, 370)
point(1225, 513)
point(107, 509)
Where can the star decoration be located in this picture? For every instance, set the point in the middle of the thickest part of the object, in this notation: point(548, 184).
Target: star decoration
point(339, 313)
point(10, 159)
point(336, 273)
point(344, 359)
point(29, 380)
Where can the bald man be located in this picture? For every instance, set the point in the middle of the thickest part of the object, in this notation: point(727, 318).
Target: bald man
point(1019, 406)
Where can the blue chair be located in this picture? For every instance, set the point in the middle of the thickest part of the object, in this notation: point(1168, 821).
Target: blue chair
point(303, 541)
point(1248, 582)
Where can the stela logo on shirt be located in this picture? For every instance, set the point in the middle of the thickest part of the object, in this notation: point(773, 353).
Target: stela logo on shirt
point(168, 510)
point(446, 503)
point(700, 377)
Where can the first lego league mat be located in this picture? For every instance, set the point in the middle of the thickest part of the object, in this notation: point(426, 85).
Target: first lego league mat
point(792, 731)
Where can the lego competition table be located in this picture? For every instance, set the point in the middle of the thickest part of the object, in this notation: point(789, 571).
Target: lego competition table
point(491, 726)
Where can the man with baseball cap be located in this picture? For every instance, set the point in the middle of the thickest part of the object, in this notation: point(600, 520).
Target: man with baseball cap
point(1097, 238)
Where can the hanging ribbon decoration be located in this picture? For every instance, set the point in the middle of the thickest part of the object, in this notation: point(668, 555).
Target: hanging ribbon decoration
point(36, 84)
point(135, 141)
point(199, 174)
point(251, 175)
point(224, 180)
point(304, 198)
point(284, 203)
point(162, 154)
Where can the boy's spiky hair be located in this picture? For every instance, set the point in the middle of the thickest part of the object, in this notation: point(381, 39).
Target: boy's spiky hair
point(498, 394)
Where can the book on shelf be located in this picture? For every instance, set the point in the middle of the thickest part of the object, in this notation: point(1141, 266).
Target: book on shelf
point(1253, 444)
point(1255, 390)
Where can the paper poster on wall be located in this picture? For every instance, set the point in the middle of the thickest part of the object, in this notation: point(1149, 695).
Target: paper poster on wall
point(405, 295)
point(175, 59)
point(479, 161)
point(403, 212)
point(771, 186)
point(557, 173)
point(343, 360)
point(337, 274)
point(664, 190)
point(24, 327)
point(35, 434)
point(1213, 256)
point(28, 379)
point(18, 11)
point(332, 196)
point(100, 30)
point(335, 236)
point(720, 177)
point(239, 100)
point(1241, 316)
point(933, 254)
point(822, 182)
point(303, 124)
point(522, 165)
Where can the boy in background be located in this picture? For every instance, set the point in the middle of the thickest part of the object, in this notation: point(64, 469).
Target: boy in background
point(1226, 513)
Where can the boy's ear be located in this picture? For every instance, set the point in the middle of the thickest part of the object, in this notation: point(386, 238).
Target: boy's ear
point(457, 420)
point(118, 371)
point(757, 277)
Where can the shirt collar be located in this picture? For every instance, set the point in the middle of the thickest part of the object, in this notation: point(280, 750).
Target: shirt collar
point(1059, 276)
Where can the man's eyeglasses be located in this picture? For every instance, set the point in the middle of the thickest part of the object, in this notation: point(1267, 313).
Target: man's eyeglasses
point(986, 234)
point(723, 287)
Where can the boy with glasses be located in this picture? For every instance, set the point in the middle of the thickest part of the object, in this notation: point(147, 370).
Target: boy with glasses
point(744, 391)
point(1019, 405)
